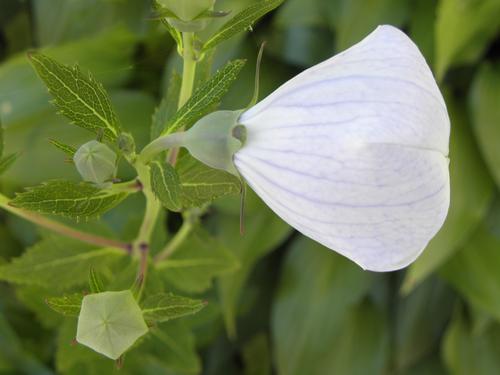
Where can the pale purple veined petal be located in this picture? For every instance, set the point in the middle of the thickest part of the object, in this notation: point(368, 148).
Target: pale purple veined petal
point(353, 152)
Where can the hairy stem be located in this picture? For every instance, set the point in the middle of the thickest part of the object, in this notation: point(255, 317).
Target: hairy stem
point(63, 229)
point(161, 144)
point(188, 75)
point(141, 245)
point(188, 69)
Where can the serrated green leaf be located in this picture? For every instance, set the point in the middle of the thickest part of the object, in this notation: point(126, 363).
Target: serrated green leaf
point(58, 263)
point(7, 161)
point(196, 262)
point(67, 149)
point(241, 21)
point(162, 307)
point(68, 305)
point(205, 98)
point(95, 283)
point(80, 98)
point(68, 198)
point(166, 186)
point(167, 107)
point(201, 184)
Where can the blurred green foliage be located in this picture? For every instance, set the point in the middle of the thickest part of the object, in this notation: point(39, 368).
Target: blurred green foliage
point(278, 303)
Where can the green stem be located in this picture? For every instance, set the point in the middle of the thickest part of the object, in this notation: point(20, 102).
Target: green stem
point(188, 75)
point(188, 69)
point(63, 229)
point(175, 242)
point(161, 144)
point(141, 245)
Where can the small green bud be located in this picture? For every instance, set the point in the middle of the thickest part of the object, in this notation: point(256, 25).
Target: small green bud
point(215, 138)
point(95, 162)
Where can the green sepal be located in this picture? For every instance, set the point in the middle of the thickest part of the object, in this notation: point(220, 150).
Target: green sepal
point(215, 139)
point(95, 283)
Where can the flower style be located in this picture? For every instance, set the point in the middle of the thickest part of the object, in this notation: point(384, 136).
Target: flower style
point(353, 152)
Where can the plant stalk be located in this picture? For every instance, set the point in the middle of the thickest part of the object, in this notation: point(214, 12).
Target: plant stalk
point(141, 245)
point(188, 75)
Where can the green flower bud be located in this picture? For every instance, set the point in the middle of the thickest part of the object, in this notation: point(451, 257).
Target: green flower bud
point(95, 162)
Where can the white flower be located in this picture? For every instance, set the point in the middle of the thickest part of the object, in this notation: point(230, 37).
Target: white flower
point(353, 152)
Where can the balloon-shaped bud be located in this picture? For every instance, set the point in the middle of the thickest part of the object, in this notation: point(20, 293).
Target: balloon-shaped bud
point(215, 138)
point(110, 323)
point(95, 162)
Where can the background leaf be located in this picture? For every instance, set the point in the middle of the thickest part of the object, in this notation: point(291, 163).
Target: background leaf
point(197, 261)
point(312, 299)
point(486, 115)
point(465, 352)
point(474, 270)
point(57, 263)
point(463, 30)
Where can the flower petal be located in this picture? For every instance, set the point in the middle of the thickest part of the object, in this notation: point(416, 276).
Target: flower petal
point(353, 152)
